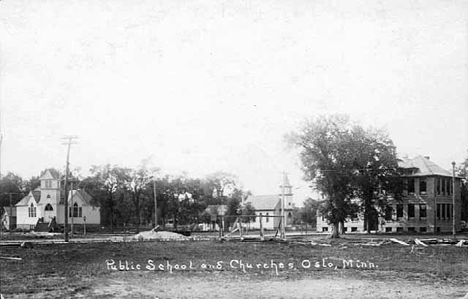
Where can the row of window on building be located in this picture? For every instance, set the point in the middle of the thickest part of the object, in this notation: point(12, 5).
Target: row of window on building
point(444, 211)
point(443, 186)
point(74, 211)
point(387, 229)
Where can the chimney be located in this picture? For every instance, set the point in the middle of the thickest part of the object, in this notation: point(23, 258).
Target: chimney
point(427, 157)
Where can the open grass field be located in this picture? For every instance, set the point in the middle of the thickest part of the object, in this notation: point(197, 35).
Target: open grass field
point(233, 269)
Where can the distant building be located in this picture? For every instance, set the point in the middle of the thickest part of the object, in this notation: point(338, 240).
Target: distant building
point(269, 207)
point(46, 205)
point(426, 206)
point(8, 218)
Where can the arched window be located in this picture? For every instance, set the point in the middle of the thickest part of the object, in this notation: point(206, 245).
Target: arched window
point(48, 195)
point(48, 207)
point(32, 210)
point(76, 211)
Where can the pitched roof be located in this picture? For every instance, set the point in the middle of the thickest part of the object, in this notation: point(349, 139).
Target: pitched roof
point(84, 195)
point(264, 202)
point(35, 194)
point(424, 167)
point(6, 211)
point(49, 175)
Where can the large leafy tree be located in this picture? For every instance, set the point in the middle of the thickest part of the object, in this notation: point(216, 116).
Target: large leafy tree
point(347, 163)
point(220, 184)
point(105, 184)
point(308, 213)
point(182, 199)
point(137, 184)
point(12, 186)
point(377, 176)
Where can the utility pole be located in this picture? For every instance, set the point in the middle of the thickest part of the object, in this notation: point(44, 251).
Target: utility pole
point(454, 229)
point(155, 206)
point(69, 143)
point(435, 213)
point(283, 218)
point(71, 207)
point(1, 139)
point(10, 224)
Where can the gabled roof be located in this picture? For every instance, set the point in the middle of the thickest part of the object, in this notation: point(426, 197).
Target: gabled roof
point(35, 194)
point(424, 167)
point(49, 175)
point(6, 211)
point(264, 202)
point(84, 196)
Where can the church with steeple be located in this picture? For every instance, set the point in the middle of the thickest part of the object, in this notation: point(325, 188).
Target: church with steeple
point(44, 208)
point(268, 207)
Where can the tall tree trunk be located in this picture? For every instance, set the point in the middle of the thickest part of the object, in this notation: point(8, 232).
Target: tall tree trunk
point(137, 208)
point(111, 206)
point(341, 227)
point(335, 231)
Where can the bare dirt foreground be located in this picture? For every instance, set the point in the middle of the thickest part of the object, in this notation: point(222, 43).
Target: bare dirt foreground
point(280, 288)
point(136, 286)
point(211, 269)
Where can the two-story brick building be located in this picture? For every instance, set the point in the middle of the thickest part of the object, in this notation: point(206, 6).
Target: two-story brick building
point(426, 206)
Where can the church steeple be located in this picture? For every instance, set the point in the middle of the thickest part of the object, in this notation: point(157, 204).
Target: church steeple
point(287, 186)
point(50, 180)
point(50, 188)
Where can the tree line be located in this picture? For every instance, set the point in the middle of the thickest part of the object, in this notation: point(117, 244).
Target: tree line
point(126, 195)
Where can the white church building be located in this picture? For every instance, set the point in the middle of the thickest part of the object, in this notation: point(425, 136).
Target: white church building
point(45, 206)
point(268, 207)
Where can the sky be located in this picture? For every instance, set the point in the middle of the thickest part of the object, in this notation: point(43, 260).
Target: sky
point(199, 86)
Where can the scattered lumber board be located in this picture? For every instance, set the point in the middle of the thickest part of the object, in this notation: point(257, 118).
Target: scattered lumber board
point(10, 258)
point(398, 241)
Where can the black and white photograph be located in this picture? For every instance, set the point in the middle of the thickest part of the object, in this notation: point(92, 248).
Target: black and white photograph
point(234, 149)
